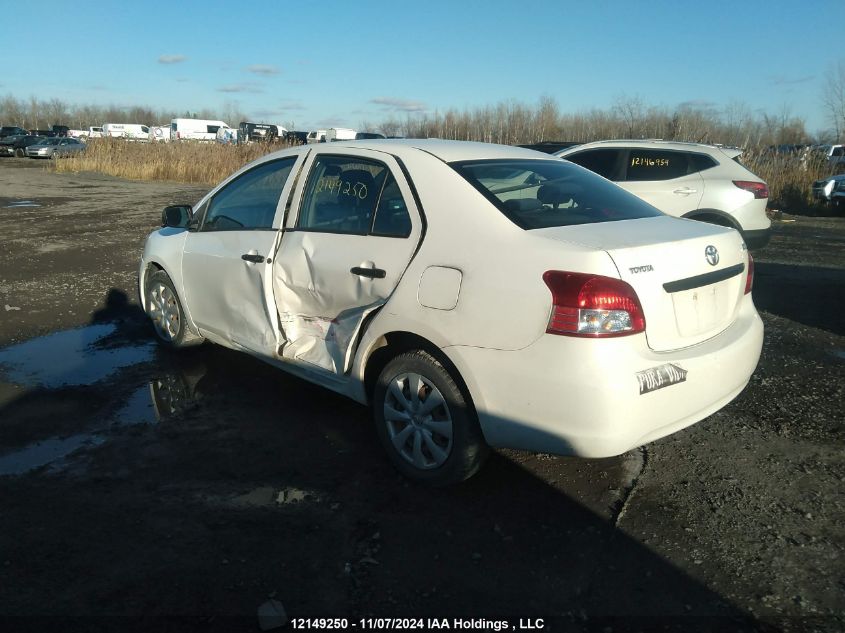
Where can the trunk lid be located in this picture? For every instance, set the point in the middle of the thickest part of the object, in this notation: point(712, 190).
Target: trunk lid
point(686, 298)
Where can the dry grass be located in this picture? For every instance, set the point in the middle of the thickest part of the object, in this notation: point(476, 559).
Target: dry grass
point(789, 176)
point(200, 163)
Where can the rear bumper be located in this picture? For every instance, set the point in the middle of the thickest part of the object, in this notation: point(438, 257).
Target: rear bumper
point(757, 239)
point(572, 396)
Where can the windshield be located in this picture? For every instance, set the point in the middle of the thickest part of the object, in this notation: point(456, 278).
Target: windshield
point(537, 194)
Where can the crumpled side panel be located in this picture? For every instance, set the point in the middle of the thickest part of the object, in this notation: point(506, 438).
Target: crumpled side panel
point(321, 304)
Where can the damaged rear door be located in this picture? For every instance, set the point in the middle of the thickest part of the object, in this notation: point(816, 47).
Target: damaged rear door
point(227, 261)
point(343, 253)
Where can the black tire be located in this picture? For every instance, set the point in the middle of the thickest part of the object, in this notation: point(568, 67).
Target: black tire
point(162, 305)
point(416, 447)
point(19, 152)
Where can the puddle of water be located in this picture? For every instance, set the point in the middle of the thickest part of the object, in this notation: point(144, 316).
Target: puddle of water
point(45, 452)
point(69, 358)
point(139, 409)
point(22, 203)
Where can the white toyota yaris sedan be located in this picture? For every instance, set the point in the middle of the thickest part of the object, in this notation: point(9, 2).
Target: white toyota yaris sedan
point(473, 295)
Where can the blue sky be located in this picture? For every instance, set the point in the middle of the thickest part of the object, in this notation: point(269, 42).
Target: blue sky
point(340, 63)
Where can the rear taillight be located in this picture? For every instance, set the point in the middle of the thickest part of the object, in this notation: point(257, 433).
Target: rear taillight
point(759, 189)
point(592, 305)
point(749, 281)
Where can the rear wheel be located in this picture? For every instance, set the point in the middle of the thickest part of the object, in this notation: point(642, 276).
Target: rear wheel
point(430, 432)
point(165, 311)
point(19, 153)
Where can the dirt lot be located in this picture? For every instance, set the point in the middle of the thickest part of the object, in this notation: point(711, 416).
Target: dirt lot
point(137, 484)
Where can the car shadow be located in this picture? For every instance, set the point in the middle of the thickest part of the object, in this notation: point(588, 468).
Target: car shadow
point(810, 295)
point(248, 483)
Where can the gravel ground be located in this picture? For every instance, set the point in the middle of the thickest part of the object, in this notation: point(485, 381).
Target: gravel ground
point(140, 485)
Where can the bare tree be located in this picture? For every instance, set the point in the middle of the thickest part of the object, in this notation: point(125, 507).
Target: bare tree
point(833, 97)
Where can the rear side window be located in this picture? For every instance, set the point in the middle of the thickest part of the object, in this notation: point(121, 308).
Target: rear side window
point(653, 164)
point(392, 219)
point(700, 162)
point(249, 202)
point(600, 161)
point(537, 194)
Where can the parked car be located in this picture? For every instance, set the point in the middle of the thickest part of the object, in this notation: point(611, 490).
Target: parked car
point(835, 156)
point(59, 130)
point(56, 147)
point(296, 138)
point(45, 133)
point(16, 145)
point(316, 136)
point(95, 132)
point(160, 133)
point(473, 294)
point(830, 190)
point(365, 136)
point(689, 180)
point(11, 130)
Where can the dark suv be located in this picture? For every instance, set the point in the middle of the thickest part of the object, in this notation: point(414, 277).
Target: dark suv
point(11, 130)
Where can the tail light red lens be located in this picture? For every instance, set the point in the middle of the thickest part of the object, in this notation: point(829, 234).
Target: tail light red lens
point(759, 189)
point(749, 281)
point(592, 305)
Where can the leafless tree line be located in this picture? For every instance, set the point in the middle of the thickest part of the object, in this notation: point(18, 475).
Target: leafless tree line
point(37, 114)
point(518, 123)
point(512, 122)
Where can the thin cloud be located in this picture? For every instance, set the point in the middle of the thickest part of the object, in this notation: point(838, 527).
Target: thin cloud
point(244, 87)
point(698, 104)
point(171, 59)
point(783, 80)
point(292, 105)
point(263, 69)
point(402, 105)
point(331, 122)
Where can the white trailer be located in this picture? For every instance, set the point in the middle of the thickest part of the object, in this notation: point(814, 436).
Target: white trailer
point(195, 129)
point(339, 134)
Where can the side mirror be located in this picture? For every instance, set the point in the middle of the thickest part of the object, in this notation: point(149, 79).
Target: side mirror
point(177, 216)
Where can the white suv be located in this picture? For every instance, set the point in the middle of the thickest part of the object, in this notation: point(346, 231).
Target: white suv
point(689, 180)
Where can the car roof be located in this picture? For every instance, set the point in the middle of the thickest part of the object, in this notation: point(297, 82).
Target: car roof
point(656, 143)
point(447, 151)
point(651, 142)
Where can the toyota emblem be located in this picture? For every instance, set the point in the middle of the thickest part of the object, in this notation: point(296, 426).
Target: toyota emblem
point(712, 255)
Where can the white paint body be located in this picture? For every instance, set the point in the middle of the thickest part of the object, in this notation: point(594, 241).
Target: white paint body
point(470, 282)
point(130, 131)
point(160, 134)
point(195, 129)
point(340, 134)
point(711, 189)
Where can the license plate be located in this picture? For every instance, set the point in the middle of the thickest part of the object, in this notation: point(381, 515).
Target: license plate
point(660, 377)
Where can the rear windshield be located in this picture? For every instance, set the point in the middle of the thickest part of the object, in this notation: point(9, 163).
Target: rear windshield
point(538, 194)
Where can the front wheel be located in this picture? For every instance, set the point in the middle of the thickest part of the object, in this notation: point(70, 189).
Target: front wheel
point(164, 309)
point(430, 432)
point(19, 153)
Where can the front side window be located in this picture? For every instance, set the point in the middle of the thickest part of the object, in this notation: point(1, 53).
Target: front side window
point(341, 195)
point(249, 202)
point(653, 164)
point(537, 194)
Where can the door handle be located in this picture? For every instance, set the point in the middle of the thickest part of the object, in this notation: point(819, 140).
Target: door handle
point(684, 190)
point(372, 273)
point(255, 259)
